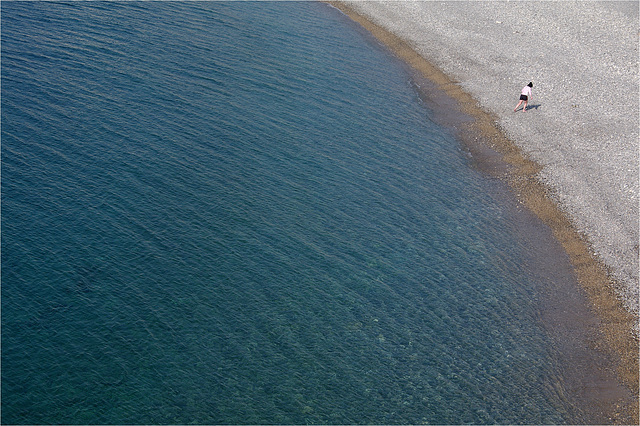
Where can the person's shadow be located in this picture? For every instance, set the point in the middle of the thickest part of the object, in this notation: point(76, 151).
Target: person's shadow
point(530, 106)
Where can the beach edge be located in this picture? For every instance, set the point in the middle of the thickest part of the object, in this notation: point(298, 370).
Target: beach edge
point(617, 325)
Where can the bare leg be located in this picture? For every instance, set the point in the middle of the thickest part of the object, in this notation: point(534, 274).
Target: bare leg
point(524, 108)
point(517, 106)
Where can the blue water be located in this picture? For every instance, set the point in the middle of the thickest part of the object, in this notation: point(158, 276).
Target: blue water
point(242, 213)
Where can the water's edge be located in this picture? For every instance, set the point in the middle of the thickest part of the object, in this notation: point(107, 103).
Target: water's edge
point(609, 331)
point(225, 213)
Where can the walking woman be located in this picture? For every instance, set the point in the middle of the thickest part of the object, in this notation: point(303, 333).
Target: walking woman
point(524, 97)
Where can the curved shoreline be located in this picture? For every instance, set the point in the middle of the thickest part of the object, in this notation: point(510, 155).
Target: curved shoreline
point(618, 324)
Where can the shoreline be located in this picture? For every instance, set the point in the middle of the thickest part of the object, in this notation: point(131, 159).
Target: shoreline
point(496, 154)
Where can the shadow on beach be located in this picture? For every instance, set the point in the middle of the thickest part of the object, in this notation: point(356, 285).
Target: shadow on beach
point(529, 107)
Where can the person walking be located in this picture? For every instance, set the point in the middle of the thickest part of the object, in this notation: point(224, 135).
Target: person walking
point(524, 97)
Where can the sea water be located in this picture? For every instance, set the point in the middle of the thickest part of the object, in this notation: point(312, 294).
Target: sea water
point(242, 213)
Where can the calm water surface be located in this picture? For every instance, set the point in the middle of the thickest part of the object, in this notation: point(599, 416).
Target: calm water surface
point(242, 213)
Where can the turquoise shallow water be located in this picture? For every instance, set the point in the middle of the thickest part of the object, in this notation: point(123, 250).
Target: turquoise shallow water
point(242, 213)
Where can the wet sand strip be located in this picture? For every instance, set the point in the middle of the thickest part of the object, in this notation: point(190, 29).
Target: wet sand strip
point(498, 156)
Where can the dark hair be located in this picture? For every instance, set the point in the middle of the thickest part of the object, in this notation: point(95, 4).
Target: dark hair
point(530, 84)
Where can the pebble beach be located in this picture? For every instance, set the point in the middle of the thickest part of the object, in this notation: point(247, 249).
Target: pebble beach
point(581, 126)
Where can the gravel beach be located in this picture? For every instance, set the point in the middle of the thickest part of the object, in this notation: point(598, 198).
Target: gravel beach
point(582, 122)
